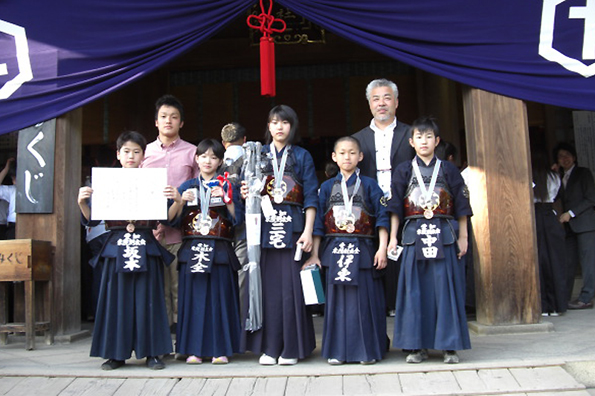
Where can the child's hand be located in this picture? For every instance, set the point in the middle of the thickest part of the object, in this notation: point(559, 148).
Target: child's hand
point(392, 245)
point(187, 196)
point(306, 241)
point(84, 194)
point(380, 259)
point(171, 192)
point(312, 260)
point(244, 189)
point(217, 192)
point(463, 244)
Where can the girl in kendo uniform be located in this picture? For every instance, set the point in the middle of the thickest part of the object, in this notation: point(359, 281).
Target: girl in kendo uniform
point(287, 332)
point(352, 211)
point(131, 314)
point(429, 195)
point(207, 208)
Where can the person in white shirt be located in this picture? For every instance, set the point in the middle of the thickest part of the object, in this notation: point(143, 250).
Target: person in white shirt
point(384, 144)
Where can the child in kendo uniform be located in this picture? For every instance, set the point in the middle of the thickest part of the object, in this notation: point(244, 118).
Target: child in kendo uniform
point(287, 332)
point(208, 302)
point(351, 213)
point(131, 313)
point(428, 195)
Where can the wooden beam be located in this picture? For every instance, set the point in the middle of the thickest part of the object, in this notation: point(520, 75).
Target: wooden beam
point(62, 227)
point(506, 272)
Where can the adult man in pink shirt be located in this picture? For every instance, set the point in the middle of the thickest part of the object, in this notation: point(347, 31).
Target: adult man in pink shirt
point(177, 156)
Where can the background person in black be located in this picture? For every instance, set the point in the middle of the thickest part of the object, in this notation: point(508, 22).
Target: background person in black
point(577, 195)
point(384, 144)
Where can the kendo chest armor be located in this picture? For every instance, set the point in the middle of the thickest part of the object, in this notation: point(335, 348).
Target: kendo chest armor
point(293, 191)
point(218, 227)
point(442, 202)
point(364, 221)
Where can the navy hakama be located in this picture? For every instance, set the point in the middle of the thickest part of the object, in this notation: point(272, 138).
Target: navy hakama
point(287, 327)
point(208, 305)
point(131, 313)
point(355, 315)
point(430, 308)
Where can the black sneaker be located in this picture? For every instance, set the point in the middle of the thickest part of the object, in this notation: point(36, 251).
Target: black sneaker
point(154, 363)
point(112, 364)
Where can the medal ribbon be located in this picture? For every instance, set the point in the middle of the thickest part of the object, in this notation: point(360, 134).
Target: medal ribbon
point(205, 199)
point(279, 170)
point(426, 193)
point(346, 200)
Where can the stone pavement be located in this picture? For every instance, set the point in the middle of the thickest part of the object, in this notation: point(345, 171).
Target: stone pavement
point(556, 363)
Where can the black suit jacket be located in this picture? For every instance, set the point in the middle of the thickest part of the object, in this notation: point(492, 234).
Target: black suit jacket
point(579, 196)
point(400, 149)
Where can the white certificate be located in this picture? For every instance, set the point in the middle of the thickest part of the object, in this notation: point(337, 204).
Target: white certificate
point(128, 194)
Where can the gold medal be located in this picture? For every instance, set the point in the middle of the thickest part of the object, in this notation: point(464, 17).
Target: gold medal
point(130, 227)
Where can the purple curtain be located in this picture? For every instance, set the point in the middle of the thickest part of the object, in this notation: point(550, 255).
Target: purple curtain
point(57, 57)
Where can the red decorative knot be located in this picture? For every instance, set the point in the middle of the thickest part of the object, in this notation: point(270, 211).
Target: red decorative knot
point(264, 23)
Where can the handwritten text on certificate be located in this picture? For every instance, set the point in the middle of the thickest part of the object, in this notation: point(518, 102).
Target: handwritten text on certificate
point(128, 194)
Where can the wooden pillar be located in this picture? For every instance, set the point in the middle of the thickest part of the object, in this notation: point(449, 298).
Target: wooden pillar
point(62, 227)
point(506, 272)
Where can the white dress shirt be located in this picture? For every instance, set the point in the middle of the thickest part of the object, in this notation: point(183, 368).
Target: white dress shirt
point(383, 139)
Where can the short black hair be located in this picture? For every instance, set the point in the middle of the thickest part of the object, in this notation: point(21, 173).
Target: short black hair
point(425, 124)
point(284, 113)
point(348, 139)
point(172, 101)
point(131, 136)
point(566, 147)
point(446, 149)
point(210, 144)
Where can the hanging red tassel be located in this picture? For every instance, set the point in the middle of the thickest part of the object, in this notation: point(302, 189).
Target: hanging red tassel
point(263, 23)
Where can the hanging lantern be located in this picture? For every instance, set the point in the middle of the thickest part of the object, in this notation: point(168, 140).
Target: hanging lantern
point(264, 23)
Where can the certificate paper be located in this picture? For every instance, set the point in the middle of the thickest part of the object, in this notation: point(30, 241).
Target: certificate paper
point(128, 194)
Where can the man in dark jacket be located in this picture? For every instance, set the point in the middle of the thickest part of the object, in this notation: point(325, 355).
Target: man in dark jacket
point(385, 144)
point(577, 194)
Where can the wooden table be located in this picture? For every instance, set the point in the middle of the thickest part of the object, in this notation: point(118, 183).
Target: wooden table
point(28, 261)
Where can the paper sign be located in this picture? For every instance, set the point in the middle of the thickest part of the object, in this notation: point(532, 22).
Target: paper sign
point(128, 194)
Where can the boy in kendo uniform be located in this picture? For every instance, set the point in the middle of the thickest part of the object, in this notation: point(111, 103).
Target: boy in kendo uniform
point(352, 211)
point(428, 195)
point(131, 314)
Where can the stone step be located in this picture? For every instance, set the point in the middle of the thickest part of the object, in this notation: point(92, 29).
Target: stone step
point(542, 381)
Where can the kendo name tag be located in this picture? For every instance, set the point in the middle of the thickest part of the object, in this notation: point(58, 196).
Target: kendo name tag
point(267, 206)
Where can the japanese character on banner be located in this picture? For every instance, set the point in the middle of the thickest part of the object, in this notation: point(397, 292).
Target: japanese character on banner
point(429, 242)
point(131, 253)
point(202, 258)
point(278, 230)
point(345, 266)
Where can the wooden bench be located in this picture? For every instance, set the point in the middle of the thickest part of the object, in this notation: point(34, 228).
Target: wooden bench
point(28, 261)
